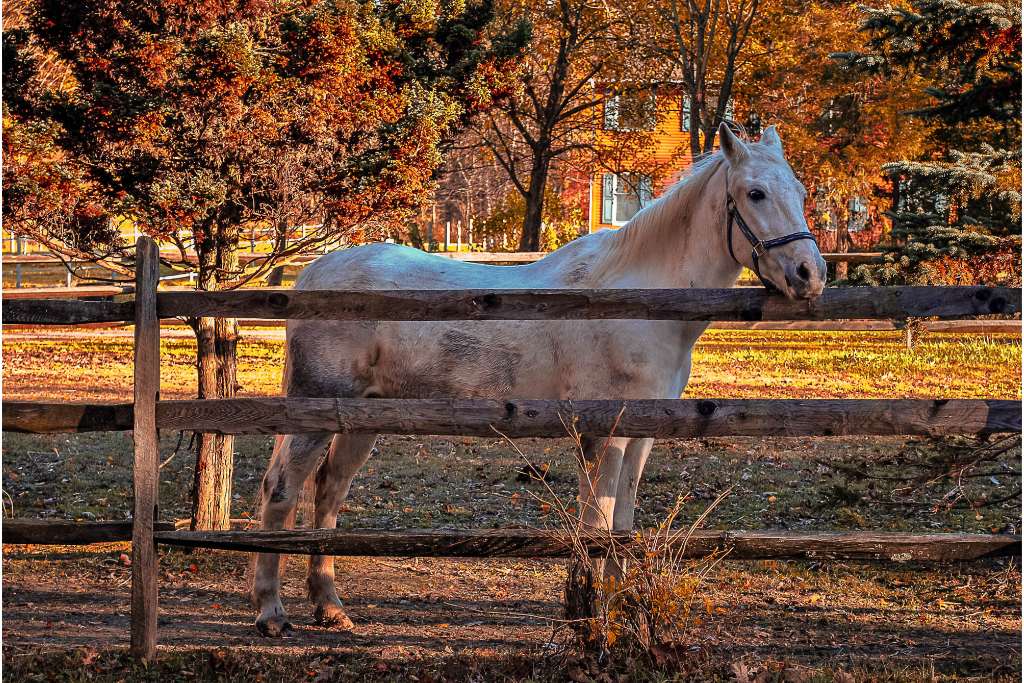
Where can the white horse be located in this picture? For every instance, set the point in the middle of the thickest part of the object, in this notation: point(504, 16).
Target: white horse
point(683, 239)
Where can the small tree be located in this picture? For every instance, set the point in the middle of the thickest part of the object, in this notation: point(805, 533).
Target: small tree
point(956, 209)
point(551, 113)
point(199, 122)
point(702, 44)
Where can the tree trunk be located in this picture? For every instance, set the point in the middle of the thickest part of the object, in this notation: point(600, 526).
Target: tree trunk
point(534, 214)
point(696, 121)
point(276, 276)
point(216, 340)
point(843, 244)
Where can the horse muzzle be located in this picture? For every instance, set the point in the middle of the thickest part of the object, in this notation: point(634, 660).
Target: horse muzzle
point(805, 279)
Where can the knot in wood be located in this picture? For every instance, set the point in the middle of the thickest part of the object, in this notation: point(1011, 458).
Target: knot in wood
point(752, 313)
point(706, 408)
point(487, 301)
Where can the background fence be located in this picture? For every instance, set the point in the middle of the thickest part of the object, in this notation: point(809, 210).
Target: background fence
point(513, 418)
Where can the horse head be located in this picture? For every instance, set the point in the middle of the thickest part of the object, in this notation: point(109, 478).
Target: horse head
point(766, 228)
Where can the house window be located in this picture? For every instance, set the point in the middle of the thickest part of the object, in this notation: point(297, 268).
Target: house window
point(630, 111)
point(623, 195)
point(685, 107)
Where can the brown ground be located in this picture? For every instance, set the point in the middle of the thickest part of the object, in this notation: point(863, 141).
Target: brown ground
point(65, 609)
point(424, 615)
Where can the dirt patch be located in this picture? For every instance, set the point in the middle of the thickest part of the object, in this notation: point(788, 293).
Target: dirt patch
point(422, 615)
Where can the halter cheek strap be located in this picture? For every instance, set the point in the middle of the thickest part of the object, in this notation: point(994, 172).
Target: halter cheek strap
point(760, 247)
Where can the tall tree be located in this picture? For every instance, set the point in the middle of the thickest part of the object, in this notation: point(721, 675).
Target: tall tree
point(574, 46)
point(700, 43)
point(957, 208)
point(198, 122)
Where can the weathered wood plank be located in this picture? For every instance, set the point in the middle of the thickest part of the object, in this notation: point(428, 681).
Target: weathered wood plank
point(32, 417)
point(536, 418)
point(146, 469)
point(566, 304)
point(65, 311)
point(742, 545)
point(62, 532)
point(710, 304)
point(662, 418)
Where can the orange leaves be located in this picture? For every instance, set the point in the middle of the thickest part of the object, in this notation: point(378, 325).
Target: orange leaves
point(208, 121)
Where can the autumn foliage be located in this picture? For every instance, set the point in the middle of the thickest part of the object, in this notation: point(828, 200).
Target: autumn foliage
point(202, 122)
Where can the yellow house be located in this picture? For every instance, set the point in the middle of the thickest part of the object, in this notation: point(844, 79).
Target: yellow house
point(644, 147)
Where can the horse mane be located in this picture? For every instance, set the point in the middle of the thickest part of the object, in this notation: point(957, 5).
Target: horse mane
point(665, 222)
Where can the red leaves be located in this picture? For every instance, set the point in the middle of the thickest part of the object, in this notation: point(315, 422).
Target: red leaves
point(294, 113)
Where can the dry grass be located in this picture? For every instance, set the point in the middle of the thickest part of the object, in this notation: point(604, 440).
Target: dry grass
point(45, 364)
point(794, 364)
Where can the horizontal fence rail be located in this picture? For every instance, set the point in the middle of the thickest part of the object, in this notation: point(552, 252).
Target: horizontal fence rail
point(742, 304)
point(32, 417)
point(66, 311)
point(660, 418)
point(590, 304)
point(62, 532)
point(741, 545)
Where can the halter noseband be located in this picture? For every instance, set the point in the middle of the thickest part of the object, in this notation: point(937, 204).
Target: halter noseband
point(760, 247)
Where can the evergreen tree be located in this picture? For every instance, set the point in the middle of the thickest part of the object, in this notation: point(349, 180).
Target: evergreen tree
point(956, 210)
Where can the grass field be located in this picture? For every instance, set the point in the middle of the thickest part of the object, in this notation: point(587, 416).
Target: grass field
point(726, 364)
point(472, 620)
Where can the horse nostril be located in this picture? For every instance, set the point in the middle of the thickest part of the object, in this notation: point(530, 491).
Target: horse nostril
point(804, 272)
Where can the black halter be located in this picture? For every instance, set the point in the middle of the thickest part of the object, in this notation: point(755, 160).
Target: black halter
point(760, 247)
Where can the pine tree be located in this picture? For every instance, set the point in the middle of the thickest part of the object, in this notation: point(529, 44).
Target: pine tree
point(956, 210)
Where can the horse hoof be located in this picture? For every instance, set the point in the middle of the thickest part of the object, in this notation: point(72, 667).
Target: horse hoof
point(332, 616)
point(275, 627)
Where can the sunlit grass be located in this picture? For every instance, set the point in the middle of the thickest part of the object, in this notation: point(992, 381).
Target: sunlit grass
point(794, 364)
point(85, 365)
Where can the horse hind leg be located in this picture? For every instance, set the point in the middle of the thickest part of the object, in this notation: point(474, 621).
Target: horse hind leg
point(347, 455)
point(294, 458)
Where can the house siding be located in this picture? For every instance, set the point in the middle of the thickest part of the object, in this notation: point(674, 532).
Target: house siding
point(665, 153)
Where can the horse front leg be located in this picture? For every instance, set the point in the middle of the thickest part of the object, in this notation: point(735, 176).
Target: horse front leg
point(294, 458)
point(599, 467)
point(629, 479)
point(347, 455)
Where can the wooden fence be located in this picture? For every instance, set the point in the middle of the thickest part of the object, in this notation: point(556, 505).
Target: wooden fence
point(514, 418)
point(109, 293)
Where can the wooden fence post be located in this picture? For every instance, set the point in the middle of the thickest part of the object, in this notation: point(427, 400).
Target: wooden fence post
point(146, 472)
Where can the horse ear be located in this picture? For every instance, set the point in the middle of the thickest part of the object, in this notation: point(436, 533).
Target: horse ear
point(735, 150)
point(770, 137)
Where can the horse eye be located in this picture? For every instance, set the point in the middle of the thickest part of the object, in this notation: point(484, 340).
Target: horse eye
point(756, 195)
